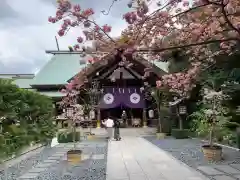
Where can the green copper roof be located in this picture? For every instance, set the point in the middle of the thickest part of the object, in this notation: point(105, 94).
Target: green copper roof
point(162, 65)
point(23, 83)
point(53, 93)
point(59, 70)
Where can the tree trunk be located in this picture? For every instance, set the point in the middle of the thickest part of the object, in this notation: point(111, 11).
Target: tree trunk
point(159, 127)
point(211, 137)
point(74, 135)
point(180, 123)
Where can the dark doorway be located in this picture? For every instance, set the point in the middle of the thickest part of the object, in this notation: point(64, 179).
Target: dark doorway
point(117, 113)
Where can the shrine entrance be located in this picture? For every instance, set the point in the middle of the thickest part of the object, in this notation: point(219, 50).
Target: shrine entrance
point(124, 85)
point(116, 101)
point(132, 115)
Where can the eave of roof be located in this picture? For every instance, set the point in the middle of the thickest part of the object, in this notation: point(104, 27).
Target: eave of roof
point(53, 94)
point(23, 83)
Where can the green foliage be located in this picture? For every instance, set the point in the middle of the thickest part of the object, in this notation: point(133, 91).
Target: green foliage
point(64, 137)
point(26, 116)
point(180, 133)
point(223, 76)
point(178, 62)
point(202, 127)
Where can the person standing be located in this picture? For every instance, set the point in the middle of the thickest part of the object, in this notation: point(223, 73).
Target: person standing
point(124, 118)
point(109, 125)
point(117, 125)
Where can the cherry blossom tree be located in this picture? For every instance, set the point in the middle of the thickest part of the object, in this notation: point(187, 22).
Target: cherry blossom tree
point(203, 29)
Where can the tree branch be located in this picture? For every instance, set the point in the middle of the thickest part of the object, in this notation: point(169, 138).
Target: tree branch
point(188, 45)
point(109, 9)
point(226, 18)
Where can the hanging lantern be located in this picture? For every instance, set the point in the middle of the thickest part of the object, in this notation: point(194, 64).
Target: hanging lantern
point(151, 113)
point(69, 112)
point(182, 109)
point(92, 114)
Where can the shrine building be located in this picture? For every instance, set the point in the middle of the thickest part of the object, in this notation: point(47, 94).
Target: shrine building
point(118, 83)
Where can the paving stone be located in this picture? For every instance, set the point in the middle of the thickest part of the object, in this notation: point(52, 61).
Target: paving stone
point(85, 156)
point(44, 165)
point(209, 170)
point(60, 154)
point(117, 177)
point(237, 166)
point(98, 156)
point(29, 176)
point(194, 178)
point(237, 176)
point(137, 177)
point(50, 161)
point(37, 169)
point(227, 169)
point(224, 177)
point(54, 157)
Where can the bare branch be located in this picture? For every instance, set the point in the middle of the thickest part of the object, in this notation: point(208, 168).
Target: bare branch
point(109, 9)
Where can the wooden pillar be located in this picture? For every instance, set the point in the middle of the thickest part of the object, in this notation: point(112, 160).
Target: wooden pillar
point(98, 118)
point(144, 118)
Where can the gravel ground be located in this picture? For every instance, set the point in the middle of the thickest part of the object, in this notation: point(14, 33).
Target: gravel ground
point(89, 169)
point(189, 151)
point(20, 168)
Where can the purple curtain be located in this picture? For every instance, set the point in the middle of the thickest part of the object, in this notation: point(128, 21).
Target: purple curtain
point(132, 98)
point(110, 99)
point(128, 97)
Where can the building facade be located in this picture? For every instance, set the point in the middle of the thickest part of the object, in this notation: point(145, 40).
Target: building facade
point(119, 84)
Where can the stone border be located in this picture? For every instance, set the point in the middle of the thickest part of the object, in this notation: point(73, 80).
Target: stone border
point(24, 151)
point(230, 147)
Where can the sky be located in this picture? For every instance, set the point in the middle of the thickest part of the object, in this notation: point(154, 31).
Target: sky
point(25, 32)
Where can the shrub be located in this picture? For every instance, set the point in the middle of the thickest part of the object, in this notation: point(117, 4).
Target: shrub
point(26, 117)
point(64, 137)
point(180, 133)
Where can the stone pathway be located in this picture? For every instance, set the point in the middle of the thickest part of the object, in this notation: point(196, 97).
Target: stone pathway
point(134, 158)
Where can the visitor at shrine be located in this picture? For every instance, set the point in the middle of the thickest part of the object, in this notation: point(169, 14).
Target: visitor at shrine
point(109, 125)
point(124, 117)
point(117, 125)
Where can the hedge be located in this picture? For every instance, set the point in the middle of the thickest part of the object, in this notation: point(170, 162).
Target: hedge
point(26, 117)
point(180, 133)
point(64, 137)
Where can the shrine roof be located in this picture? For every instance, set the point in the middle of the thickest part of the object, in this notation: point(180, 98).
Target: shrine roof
point(161, 65)
point(23, 83)
point(59, 69)
point(62, 67)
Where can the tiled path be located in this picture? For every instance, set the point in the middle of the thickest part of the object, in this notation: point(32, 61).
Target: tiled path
point(134, 158)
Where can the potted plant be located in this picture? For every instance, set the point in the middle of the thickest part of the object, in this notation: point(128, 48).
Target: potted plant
point(74, 113)
point(216, 117)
